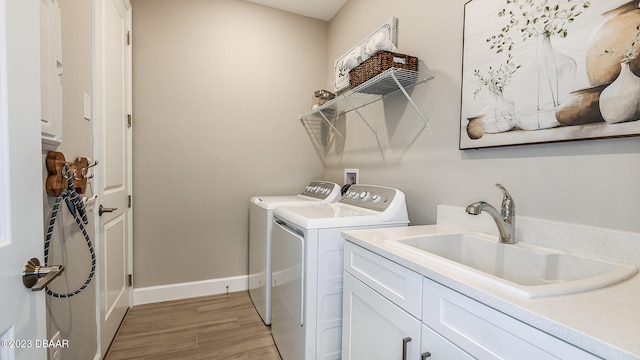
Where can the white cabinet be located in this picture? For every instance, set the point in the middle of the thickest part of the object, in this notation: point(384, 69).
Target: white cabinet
point(379, 314)
point(50, 74)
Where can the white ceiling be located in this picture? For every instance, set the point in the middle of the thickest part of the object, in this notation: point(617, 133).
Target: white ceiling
point(319, 9)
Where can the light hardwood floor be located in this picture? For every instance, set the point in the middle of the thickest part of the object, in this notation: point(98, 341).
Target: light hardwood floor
point(212, 327)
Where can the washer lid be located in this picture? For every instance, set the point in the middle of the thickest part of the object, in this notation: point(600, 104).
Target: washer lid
point(270, 202)
point(316, 191)
point(336, 215)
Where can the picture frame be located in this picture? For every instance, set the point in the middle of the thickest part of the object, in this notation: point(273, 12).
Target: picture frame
point(351, 176)
point(506, 95)
point(341, 74)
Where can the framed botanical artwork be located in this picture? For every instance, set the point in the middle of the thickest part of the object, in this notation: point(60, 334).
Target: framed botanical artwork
point(537, 71)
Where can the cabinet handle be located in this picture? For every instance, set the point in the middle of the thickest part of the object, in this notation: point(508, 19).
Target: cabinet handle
point(405, 341)
point(426, 355)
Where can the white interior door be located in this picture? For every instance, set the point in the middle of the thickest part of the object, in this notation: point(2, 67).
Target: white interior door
point(22, 312)
point(112, 147)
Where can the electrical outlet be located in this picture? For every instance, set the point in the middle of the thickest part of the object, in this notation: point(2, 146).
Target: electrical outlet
point(351, 176)
point(54, 351)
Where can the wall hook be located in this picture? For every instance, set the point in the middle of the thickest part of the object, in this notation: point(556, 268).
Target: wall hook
point(57, 180)
point(84, 170)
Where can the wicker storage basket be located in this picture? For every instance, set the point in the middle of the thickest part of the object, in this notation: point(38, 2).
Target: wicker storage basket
point(378, 63)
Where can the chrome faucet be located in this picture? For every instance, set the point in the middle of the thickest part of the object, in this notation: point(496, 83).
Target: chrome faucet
point(505, 219)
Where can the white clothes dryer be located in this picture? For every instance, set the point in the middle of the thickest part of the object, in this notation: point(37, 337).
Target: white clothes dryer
point(307, 266)
point(260, 223)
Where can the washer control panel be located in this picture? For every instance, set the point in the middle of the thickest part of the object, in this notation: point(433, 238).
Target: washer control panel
point(372, 197)
point(321, 189)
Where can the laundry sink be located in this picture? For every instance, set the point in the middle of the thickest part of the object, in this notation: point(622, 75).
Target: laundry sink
point(526, 270)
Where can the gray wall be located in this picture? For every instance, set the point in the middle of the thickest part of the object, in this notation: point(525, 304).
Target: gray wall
point(74, 317)
point(590, 182)
point(217, 86)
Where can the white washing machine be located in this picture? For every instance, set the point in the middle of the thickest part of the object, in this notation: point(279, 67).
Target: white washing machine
point(307, 267)
point(260, 223)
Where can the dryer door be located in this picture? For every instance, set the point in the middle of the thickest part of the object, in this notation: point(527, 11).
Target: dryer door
point(287, 317)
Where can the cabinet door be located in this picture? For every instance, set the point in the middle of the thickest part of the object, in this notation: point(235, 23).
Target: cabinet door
point(374, 327)
point(435, 347)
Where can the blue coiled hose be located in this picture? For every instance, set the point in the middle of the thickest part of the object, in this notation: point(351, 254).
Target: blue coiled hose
point(77, 209)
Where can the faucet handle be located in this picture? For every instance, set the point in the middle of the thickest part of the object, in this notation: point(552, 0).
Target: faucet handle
point(508, 209)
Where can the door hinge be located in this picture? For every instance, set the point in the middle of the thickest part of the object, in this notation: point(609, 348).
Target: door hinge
point(129, 120)
point(128, 37)
point(130, 280)
point(129, 201)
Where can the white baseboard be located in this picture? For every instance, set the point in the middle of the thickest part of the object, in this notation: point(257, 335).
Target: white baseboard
point(153, 294)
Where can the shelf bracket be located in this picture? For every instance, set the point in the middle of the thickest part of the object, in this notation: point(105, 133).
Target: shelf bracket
point(409, 99)
point(375, 133)
point(332, 126)
point(362, 118)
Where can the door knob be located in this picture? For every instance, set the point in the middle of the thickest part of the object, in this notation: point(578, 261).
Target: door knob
point(102, 210)
point(36, 277)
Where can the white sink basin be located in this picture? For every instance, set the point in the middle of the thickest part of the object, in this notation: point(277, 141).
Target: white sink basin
point(526, 270)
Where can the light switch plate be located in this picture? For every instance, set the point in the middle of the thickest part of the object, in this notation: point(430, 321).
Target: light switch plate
point(86, 106)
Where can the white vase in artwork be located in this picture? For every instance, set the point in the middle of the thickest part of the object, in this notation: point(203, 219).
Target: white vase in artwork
point(542, 86)
point(620, 101)
point(618, 31)
point(499, 115)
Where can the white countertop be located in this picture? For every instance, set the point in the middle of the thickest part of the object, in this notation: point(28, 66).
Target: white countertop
point(605, 322)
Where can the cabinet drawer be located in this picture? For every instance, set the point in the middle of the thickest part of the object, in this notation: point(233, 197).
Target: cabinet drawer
point(487, 333)
point(397, 283)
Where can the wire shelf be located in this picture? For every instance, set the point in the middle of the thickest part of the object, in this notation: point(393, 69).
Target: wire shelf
point(320, 123)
